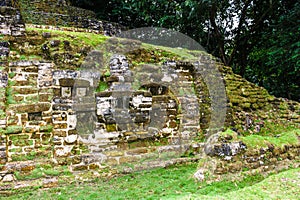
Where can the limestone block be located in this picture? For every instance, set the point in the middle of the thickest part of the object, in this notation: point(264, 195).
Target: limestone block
point(61, 126)
point(137, 151)
point(79, 167)
point(128, 159)
point(8, 178)
point(93, 158)
point(50, 182)
point(62, 151)
point(71, 139)
point(38, 107)
point(199, 175)
point(114, 153)
point(3, 79)
point(72, 121)
point(81, 92)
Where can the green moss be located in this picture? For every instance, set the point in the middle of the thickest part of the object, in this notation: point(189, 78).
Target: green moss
point(274, 129)
point(227, 133)
point(76, 38)
point(246, 105)
point(22, 57)
point(14, 129)
point(47, 128)
point(15, 150)
point(107, 74)
point(83, 148)
point(111, 127)
point(34, 174)
point(34, 57)
point(2, 114)
point(283, 106)
point(22, 157)
point(10, 93)
point(171, 53)
point(52, 172)
point(11, 75)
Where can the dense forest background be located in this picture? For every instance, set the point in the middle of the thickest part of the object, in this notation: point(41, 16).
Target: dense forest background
point(258, 38)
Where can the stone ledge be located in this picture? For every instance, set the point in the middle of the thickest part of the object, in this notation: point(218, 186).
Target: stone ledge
point(30, 108)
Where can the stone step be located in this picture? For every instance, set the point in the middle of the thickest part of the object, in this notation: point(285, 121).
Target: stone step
point(151, 153)
point(156, 164)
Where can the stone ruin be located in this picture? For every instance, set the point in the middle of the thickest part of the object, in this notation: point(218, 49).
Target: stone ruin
point(50, 113)
point(47, 112)
point(59, 14)
point(11, 22)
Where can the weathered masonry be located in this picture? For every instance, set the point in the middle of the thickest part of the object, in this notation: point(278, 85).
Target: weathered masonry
point(53, 112)
point(46, 114)
point(11, 22)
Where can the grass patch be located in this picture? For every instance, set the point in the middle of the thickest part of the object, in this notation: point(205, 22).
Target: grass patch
point(284, 185)
point(182, 53)
point(42, 171)
point(285, 138)
point(289, 136)
point(273, 129)
point(174, 182)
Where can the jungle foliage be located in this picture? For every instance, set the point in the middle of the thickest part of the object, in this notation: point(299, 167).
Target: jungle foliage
point(259, 39)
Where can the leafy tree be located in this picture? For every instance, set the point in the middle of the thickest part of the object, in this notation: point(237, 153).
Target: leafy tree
point(259, 39)
point(275, 60)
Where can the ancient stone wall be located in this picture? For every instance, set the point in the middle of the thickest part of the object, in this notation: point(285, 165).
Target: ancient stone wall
point(11, 22)
point(45, 114)
point(28, 111)
point(3, 84)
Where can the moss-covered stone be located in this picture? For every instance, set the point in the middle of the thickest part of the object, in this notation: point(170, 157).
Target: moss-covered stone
point(14, 129)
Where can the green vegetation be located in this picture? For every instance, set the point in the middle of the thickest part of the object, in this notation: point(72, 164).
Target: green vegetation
point(2, 114)
point(10, 92)
point(13, 129)
point(265, 51)
point(102, 86)
point(286, 138)
point(167, 53)
point(275, 129)
point(254, 141)
point(42, 171)
point(11, 75)
point(91, 39)
point(174, 182)
point(22, 157)
point(284, 185)
point(47, 128)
